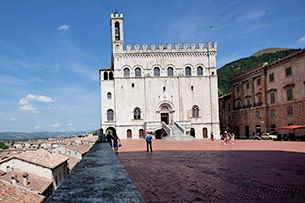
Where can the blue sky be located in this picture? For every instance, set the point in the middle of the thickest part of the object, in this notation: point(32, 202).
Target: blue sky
point(51, 50)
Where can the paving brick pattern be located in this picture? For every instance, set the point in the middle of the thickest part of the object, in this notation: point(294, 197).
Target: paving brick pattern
point(199, 171)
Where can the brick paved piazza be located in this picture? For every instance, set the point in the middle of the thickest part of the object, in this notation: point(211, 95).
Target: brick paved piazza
point(199, 171)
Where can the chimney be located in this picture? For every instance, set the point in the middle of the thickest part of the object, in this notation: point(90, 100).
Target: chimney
point(14, 179)
point(25, 179)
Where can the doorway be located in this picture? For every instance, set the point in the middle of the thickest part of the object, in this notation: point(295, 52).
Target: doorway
point(205, 133)
point(247, 129)
point(164, 117)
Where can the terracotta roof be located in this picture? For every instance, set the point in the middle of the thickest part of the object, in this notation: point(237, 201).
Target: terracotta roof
point(14, 194)
point(43, 158)
point(36, 183)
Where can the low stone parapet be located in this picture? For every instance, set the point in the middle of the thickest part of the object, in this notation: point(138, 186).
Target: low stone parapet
point(99, 177)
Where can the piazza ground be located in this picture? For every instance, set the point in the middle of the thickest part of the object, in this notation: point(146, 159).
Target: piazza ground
point(199, 171)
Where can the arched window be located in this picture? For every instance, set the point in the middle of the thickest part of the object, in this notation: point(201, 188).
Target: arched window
point(137, 113)
point(195, 111)
point(138, 72)
point(109, 95)
point(117, 31)
point(170, 72)
point(105, 76)
point(126, 72)
point(156, 72)
point(111, 75)
point(199, 70)
point(188, 71)
point(110, 115)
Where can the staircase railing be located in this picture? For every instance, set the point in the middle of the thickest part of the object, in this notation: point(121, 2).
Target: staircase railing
point(167, 129)
point(183, 125)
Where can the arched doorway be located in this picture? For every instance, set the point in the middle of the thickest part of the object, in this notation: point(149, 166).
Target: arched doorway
point(205, 133)
point(141, 133)
point(165, 109)
point(111, 130)
point(192, 133)
point(129, 133)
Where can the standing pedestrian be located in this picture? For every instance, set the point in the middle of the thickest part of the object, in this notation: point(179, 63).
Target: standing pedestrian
point(232, 138)
point(225, 138)
point(148, 138)
point(212, 137)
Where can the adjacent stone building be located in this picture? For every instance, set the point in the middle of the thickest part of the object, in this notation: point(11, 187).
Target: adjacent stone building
point(171, 90)
point(266, 97)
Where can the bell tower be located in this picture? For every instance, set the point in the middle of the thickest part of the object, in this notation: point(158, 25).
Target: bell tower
point(117, 34)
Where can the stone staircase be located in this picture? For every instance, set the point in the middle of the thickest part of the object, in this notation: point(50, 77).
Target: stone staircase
point(177, 134)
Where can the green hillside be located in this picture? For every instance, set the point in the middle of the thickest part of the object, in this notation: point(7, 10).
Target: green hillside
point(226, 72)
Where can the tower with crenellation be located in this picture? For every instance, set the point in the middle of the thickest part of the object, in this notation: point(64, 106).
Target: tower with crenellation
point(169, 89)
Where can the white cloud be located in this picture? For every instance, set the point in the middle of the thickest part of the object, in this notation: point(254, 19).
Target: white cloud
point(301, 40)
point(55, 125)
point(36, 127)
point(63, 28)
point(11, 119)
point(26, 106)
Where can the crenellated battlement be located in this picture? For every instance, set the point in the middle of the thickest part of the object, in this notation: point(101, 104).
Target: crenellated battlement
point(116, 15)
point(184, 47)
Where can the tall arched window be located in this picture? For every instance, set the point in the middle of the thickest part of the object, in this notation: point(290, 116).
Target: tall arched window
point(199, 70)
point(137, 113)
point(109, 95)
point(110, 115)
point(195, 111)
point(156, 72)
point(105, 76)
point(111, 75)
point(126, 72)
point(170, 72)
point(188, 71)
point(138, 72)
point(117, 30)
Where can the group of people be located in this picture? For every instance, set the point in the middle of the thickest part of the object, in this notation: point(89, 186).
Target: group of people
point(114, 142)
point(228, 138)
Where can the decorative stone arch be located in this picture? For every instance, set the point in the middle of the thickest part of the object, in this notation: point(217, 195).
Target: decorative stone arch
point(123, 71)
point(135, 70)
point(153, 70)
point(204, 70)
point(168, 71)
point(166, 110)
point(188, 66)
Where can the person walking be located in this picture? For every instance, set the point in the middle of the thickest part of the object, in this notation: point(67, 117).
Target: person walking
point(148, 138)
point(109, 138)
point(212, 138)
point(116, 143)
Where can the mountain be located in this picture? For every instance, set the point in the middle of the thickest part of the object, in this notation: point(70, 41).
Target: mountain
point(226, 72)
point(14, 136)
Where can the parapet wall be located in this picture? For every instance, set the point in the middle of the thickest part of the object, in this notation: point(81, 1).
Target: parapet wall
point(98, 177)
point(177, 47)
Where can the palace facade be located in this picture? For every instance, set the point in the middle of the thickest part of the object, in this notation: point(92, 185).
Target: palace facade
point(266, 97)
point(171, 90)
